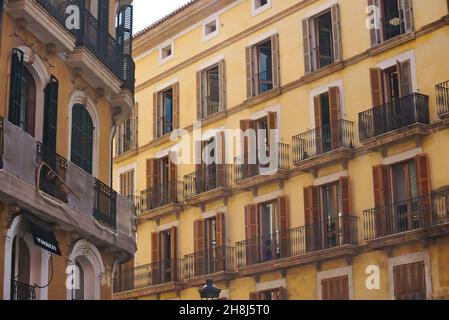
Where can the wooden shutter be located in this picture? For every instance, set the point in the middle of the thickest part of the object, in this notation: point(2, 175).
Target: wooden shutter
point(311, 216)
point(272, 120)
point(15, 89)
point(255, 296)
point(307, 44)
point(51, 113)
point(336, 32)
point(410, 281)
point(382, 198)
point(284, 226)
point(172, 178)
point(283, 295)
point(155, 115)
point(319, 130)
point(251, 234)
point(249, 72)
point(82, 138)
point(155, 258)
point(375, 34)
point(246, 125)
point(221, 230)
point(220, 157)
point(176, 106)
point(345, 195)
point(222, 83)
point(199, 95)
point(377, 94)
point(199, 244)
point(174, 253)
point(335, 115)
point(335, 288)
point(103, 14)
point(149, 171)
point(276, 60)
point(124, 29)
point(405, 78)
point(424, 187)
point(406, 8)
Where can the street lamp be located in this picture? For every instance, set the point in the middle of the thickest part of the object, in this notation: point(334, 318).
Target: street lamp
point(209, 291)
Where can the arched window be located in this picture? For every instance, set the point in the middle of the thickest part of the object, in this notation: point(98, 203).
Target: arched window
point(82, 138)
point(79, 293)
point(21, 288)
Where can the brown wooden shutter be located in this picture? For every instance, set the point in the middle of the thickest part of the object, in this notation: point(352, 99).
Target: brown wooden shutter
point(155, 115)
point(410, 281)
point(335, 288)
point(172, 178)
point(405, 78)
point(244, 126)
point(284, 225)
point(345, 194)
point(424, 186)
point(283, 295)
point(221, 230)
point(174, 254)
point(307, 44)
point(335, 115)
point(318, 125)
point(276, 60)
point(155, 258)
point(382, 198)
point(149, 170)
point(375, 34)
point(251, 234)
point(336, 32)
point(311, 216)
point(199, 95)
point(222, 177)
point(272, 120)
point(176, 106)
point(249, 73)
point(377, 94)
point(199, 245)
point(222, 84)
point(254, 296)
point(407, 11)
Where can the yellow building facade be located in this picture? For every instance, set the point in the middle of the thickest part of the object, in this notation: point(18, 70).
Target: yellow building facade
point(67, 81)
point(355, 207)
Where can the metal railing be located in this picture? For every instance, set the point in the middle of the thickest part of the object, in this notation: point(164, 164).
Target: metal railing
point(210, 261)
point(153, 274)
point(105, 209)
point(321, 140)
point(53, 171)
point(22, 292)
point(164, 194)
point(442, 92)
point(298, 241)
point(212, 177)
point(403, 216)
point(244, 170)
point(264, 81)
point(393, 26)
point(396, 114)
point(212, 104)
point(324, 55)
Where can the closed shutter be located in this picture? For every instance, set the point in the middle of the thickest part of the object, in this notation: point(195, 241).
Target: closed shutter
point(312, 218)
point(220, 156)
point(15, 89)
point(149, 171)
point(284, 226)
point(276, 60)
point(424, 187)
point(375, 30)
point(174, 254)
point(251, 234)
point(222, 84)
point(249, 73)
point(172, 178)
point(199, 244)
point(405, 78)
point(82, 138)
point(410, 281)
point(51, 113)
point(336, 32)
point(156, 121)
point(335, 114)
point(155, 258)
point(176, 106)
point(406, 9)
point(335, 288)
point(124, 29)
point(319, 129)
point(199, 95)
point(221, 230)
point(103, 14)
point(345, 194)
point(377, 94)
point(307, 44)
point(272, 125)
point(382, 199)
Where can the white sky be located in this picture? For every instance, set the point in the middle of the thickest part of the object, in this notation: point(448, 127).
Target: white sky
point(148, 11)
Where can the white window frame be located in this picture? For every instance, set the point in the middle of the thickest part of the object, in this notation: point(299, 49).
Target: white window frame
point(256, 10)
point(214, 34)
point(166, 59)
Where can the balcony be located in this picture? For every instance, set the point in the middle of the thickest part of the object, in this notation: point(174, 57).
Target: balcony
point(319, 147)
point(153, 278)
point(401, 119)
point(160, 201)
point(393, 26)
point(442, 92)
point(297, 242)
point(250, 176)
point(215, 262)
point(86, 203)
point(22, 292)
point(207, 185)
point(417, 214)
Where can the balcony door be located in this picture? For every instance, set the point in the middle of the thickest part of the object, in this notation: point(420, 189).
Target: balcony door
point(324, 39)
point(269, 231)
point(331, 213)
point(327, 121)
point(21, 270)
point(211, 257)
point(164, 264)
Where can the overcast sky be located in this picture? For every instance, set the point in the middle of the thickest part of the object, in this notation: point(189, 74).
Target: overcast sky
point(148, 11)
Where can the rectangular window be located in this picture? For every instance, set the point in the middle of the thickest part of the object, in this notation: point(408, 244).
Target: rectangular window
point(269, 231)
point(335, 288)
point(211, 93)
point(258, 6)
point(166, 53)
point(166, 111)
point(127, 185)
point(126, 137)
point(410, 281)
point(211, 29)
point(264, 67)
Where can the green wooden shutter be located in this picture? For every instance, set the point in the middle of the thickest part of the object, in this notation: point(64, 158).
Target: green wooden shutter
point(103, 14)
point(82, 138)
point(51, 113)
point(124, 28)
point(15, 90)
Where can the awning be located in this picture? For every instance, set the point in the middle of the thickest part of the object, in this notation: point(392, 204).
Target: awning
point(43, 235)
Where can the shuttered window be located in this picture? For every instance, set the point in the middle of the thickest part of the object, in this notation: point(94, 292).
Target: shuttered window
point(211, 90)
point(124, 28)
point(335, 288)
point(51, 113)
point(127, 184)
point(410, 281)
point(166, 111)
point(82, 138)
point(103, 14)
point(126, 136)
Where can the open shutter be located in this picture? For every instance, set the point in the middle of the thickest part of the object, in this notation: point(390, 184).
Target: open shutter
point(221, 230)
point(174, 254)
point(335, 114)
point(246, 125)
point(220, 146)
point(149, 170)
point(424, 186)
point(375, 30)
point(155, 258)
point(284, 226)
point(319, 130)
point(249, 73)
point(103, 14)
point(406, 10)
point(345, 195)
point(15, 89)
point(124, 29)
point(155, 115)
point(199, 95)
point(377, 94)
point(222, 83)
point(199, 244)
point(176, 106)
point(251, 234)
point(307, 44)
point(382, 199)
point(336, 32)
point(405, 78)
point(276, 60)
point(272, 120)
point(172, 178)
point(312, 217)
point(51, 113)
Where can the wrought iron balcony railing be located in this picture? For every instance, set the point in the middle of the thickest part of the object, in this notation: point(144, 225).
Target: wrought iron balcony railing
point(212, 177)
point(396, 114)
point(403, 216)
point(322, 140)
point(442, 92)
point(22, 292)
point(264, 81)
point(333, 233)
point(105, 209)
point(393, 26)
point(162, 195)
point(208, 262)
point(211, 104)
